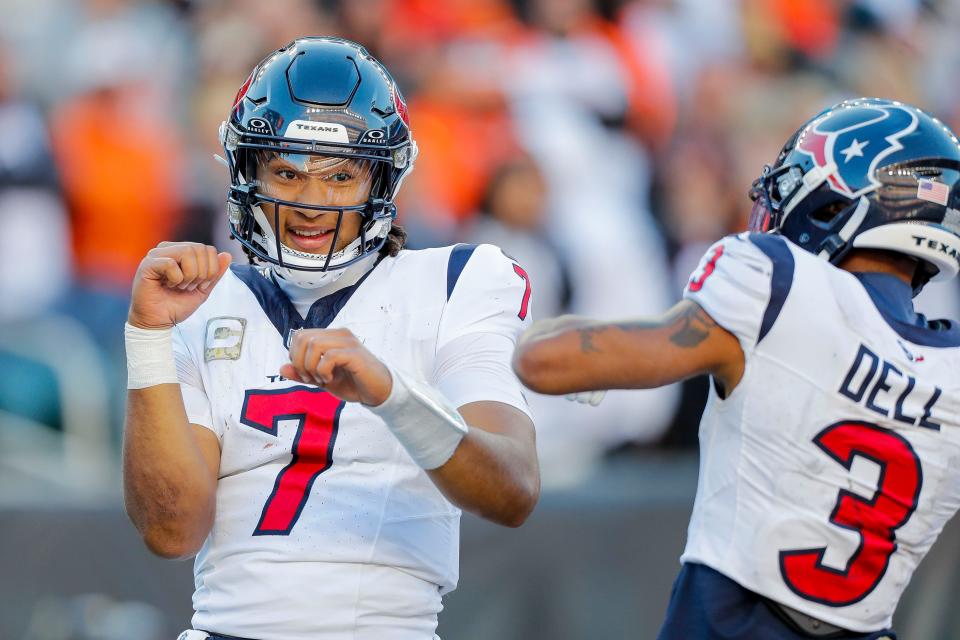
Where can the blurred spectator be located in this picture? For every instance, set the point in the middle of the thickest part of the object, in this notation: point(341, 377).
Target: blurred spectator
point(453, 67)
point(118, 148)
point(34, 245)
point(512, 216)
point(698, 204)
point(119, 155)
point(462, 136)
point(569, 97)
point(685, 36)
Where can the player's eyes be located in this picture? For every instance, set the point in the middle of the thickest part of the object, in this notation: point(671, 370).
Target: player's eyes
point(340, 176)
point(285, 174)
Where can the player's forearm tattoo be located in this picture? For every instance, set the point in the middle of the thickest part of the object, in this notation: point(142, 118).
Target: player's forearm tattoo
point(695, 326)
point(587, 333)
point(586, 339)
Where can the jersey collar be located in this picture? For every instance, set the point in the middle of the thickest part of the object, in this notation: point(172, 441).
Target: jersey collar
point(282, 312)
point(894, 300)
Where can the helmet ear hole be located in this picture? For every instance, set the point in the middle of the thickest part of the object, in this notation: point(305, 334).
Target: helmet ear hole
point(826, 214)
point(925, 272)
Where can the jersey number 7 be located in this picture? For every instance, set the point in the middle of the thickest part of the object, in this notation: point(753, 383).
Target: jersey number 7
point(876, 520)
point(318, 418)
point(524, 303)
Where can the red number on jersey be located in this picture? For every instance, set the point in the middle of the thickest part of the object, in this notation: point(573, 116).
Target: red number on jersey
point(318, 415)
point(696, 283)
point(526, 294)
point(876, 520)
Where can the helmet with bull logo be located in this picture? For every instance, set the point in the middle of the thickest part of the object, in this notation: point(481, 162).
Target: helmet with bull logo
point(871, 174)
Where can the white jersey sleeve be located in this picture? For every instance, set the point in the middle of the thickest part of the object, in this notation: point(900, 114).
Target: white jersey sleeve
point(487, 308)
point(476, 367)
point(195, 399)
point(741, 282)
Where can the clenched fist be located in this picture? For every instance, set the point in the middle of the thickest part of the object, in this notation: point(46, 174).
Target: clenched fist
point(172, 281)
point(337, 361)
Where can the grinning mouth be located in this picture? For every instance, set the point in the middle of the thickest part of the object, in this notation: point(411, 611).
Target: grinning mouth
point(310, 233)
point(310, 239)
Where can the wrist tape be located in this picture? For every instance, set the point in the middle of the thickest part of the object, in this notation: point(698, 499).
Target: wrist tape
point(149, 357)
point(422, 420)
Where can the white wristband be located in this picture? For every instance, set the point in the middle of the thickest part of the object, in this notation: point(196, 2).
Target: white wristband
point(423, 421)
point(149, 357)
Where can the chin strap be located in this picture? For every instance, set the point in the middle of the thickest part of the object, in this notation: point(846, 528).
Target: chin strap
point(322, 283)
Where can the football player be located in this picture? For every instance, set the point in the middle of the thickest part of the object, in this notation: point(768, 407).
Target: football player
point(829, 441)
point(311, 425)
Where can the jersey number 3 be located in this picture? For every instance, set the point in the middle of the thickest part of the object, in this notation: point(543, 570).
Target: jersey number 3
point(318, 416)
point(696, 281)
point(876, 519)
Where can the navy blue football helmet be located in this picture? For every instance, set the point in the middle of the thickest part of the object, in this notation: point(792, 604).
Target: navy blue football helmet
point(867, 173)
point(316, 100)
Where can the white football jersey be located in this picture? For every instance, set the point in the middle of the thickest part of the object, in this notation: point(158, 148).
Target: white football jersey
point(831, 468)
point(325, 527)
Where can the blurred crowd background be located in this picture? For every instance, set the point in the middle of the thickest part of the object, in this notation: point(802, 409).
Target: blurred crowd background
point(603, 143)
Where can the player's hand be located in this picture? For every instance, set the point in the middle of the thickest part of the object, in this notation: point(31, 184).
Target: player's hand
point(592, 398)
point(172, 281)
point(337, 361)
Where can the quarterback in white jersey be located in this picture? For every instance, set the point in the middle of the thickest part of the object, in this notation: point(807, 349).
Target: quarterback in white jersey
point(311, 425)
point(828, 441)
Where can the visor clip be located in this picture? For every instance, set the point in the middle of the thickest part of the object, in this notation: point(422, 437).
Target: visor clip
point(242, 194)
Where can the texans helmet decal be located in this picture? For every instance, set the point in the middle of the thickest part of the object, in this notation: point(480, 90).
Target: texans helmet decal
point(856, 140)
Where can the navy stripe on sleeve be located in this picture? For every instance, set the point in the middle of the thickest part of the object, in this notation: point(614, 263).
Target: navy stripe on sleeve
point(459, 256)
point(780, 282)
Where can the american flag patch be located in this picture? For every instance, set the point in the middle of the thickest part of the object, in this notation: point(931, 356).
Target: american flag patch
point(933, 191)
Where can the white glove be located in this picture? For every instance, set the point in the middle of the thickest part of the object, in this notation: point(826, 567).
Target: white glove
point(592, 398)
